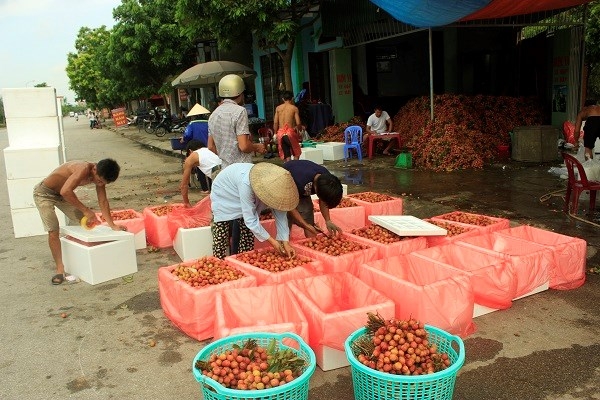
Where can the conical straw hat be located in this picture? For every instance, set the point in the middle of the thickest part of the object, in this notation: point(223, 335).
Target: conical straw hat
point(274, 186)
point(197, 110)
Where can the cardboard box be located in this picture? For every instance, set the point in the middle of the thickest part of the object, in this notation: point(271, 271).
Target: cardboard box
point(98, 255)
point(193, 243)
point(314, 155)
point(27, 222)
point(46, 160)
point(332, 151)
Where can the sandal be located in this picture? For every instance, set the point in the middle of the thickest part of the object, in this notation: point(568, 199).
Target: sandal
point(58, 279)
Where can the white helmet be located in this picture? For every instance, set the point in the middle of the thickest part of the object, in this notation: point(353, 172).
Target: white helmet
point(231, 86)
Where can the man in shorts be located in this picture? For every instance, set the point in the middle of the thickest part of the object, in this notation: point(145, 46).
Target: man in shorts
point(57, 190)
point(311, 178)
point(590, 113)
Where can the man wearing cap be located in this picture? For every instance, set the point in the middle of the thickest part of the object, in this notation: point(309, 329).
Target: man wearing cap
point(311, 178)
point(228, 131)
point(239, 193)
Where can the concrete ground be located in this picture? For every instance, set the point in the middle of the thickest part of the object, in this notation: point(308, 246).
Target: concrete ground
point(544, 347)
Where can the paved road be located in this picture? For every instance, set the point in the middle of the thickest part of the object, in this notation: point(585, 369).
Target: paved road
point(545, 347)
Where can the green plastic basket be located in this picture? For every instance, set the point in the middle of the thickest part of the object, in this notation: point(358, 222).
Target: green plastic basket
point(295, 390)
point(370, 384)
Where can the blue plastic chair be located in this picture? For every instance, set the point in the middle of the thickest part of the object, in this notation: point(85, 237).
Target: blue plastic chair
point(353, 140)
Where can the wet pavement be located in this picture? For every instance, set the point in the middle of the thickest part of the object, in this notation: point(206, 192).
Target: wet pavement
point(544, 347)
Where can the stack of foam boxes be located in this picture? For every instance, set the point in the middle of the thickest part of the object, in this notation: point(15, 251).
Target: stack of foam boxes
point(35, 149)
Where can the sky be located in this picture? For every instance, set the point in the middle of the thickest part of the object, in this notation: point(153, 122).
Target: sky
point(37, 35)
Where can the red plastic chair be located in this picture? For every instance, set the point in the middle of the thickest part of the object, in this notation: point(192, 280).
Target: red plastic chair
point(577, 185)
point(265, 135)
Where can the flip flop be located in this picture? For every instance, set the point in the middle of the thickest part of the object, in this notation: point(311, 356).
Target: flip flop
point(58, 279)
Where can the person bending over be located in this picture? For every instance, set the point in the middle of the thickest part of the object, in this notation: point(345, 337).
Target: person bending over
point(198, 158)
point(57, 190)
point(311, 178)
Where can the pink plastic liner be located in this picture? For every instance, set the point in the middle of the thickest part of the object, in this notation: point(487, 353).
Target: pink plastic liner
point(472, 230)
point(389, 207)
point(498, 224)
point(191, 309)
point(264, 277)
point(404, 246)
point(335, 305)
point(133, 225)
point(349, 262)
point(346, 218)
point(492, 277)
point(531, 261)
point(567, 270)
point(259, 309)
point(157, 228)
point(426, 290)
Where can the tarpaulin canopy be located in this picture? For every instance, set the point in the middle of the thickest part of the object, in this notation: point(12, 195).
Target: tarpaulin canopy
point(431, 13)
point(426, 13)
point(509, 8)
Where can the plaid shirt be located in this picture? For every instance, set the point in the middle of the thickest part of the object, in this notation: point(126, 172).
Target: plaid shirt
point(225, 124)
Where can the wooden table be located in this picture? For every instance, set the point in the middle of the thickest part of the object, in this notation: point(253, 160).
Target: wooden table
point(382, 136)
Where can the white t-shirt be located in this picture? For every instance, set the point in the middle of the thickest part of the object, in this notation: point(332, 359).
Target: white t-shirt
point(208, 160)
point(378, 124)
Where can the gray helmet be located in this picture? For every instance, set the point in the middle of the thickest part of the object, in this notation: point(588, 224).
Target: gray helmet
point(231, 86)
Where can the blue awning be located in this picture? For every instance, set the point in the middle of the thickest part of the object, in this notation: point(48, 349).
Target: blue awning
point(430, 13)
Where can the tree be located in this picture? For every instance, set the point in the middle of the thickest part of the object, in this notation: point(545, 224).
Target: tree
point(275, 24)
point(592, 49)
point(145, 48)
point(83, 67)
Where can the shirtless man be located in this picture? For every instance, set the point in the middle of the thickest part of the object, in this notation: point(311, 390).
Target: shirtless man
point(590, 113)
point(57, 190)
point(286, 120)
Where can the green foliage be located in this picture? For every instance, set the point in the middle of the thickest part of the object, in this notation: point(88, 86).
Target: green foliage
point(2, 115)
point(274, 23)
point(138, 57)
point(592, 49)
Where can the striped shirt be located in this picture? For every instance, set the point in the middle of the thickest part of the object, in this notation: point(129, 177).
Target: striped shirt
point(225, 124)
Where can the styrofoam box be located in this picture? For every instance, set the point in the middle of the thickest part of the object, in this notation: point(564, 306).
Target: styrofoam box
point(193, 243)
point(29, 102)
point(312, 154)
point(329, 358)
point(33, 132)
point(45, 160)
point(20, 192)
point(332, 151)
point(98, 255)
point(27, 222)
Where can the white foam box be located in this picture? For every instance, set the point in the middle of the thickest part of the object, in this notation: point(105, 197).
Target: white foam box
point(98, 255)
point(312, 154)
point(193, 243)
point(20, 192)
point(27, 222)
point(332, 151)
point(479, 310)
point(33, 132)
point(42, 161)
point(29, 102)
point(329, 358)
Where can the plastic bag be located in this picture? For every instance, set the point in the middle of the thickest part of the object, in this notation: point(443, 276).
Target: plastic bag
point(194, 217)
